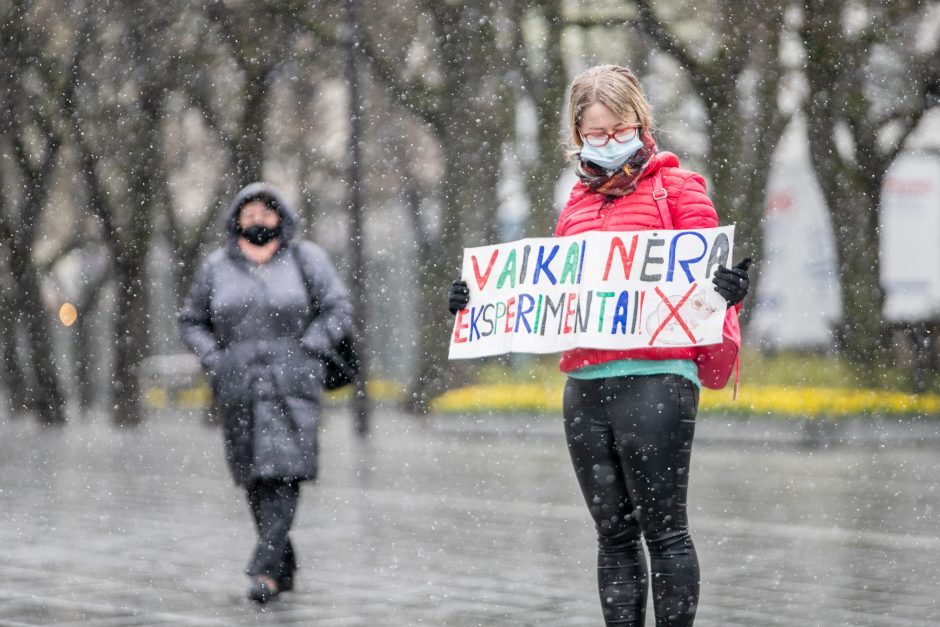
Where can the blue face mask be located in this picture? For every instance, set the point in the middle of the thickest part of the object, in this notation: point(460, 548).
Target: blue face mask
point(613, 154)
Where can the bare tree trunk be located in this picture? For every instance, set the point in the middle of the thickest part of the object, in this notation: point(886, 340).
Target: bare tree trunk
point(361, 407)
point(739, 165)
point(17, 385)
point(132, 307)
point(855, 216)
point(438, 265)
point(128, 245)
point(249, 149)
point(48, 396)
point(15, 378)
point(239, 27)
point(859, 268)
point(245, 145)
point(471, 140)
point(130, 323)
point(546, 86)
point(82, 344)
point(844, 129)
point(133, 298)
point(468, 189)
point(29, 127)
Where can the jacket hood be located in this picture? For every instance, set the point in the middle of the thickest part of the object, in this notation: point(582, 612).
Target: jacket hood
point(270, 195)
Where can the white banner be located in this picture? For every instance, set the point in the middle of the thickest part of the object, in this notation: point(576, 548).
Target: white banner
point(599, 289)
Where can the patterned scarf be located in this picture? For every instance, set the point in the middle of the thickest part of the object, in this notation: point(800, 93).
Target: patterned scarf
point(623, 181)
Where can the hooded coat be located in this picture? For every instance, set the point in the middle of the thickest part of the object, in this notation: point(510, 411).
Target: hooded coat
point(261, 330)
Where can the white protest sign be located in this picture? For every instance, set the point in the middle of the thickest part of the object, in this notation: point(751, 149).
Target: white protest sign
point(598, 289)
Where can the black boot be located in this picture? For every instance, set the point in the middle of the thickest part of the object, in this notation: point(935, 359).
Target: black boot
point(261, 591)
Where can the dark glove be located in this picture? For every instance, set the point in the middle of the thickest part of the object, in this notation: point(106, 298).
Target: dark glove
point(732, 283)
point(458, 296)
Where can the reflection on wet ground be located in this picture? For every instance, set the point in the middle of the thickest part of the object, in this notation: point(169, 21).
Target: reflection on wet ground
point(453, 521)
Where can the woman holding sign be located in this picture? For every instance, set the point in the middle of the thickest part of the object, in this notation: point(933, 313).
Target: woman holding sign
point(630, 414)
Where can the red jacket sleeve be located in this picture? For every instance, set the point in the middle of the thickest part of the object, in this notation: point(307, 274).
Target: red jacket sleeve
point(693, 208)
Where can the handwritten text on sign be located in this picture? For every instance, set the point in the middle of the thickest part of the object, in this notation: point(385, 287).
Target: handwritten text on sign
point(599, 289)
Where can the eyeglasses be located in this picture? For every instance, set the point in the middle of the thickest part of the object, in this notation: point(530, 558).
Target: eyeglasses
point(601, 138)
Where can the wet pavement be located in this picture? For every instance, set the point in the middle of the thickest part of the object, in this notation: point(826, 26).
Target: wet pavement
point(460, 521)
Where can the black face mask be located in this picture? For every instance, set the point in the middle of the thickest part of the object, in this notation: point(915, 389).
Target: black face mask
point(259, 235)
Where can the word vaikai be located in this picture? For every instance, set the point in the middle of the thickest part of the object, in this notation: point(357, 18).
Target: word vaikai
point(542, 263)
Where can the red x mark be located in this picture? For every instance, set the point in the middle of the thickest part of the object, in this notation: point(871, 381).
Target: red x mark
point(674, 313)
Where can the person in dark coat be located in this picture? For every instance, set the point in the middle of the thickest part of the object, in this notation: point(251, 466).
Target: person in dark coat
point(262, 314)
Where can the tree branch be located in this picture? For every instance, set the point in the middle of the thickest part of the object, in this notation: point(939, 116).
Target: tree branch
point(736, 39)
point(73, 243)
point(203, 226)
point(87, 161)
point(415, 95)
point(908, 124)
point(665, 40)
point(37, 177)
point(517, 12)
point(222, 15)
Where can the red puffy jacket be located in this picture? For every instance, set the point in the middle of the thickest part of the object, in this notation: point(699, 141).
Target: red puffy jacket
point(690, 208)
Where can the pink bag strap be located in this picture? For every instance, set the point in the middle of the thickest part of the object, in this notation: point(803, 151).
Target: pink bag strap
point(659, 195)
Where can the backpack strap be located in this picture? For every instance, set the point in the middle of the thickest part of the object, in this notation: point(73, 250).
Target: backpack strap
point(659, 195)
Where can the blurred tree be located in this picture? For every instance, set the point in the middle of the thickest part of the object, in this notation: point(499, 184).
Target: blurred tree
point(250, 45)
point(258, 38)
point(433, 67)
point(537, 27)
point(14, 379)
point(230, 89)
point(137, 73)
point(229, 62)
point(107, 90)
point(351, 75)
point(31, 150)
point(871, 74)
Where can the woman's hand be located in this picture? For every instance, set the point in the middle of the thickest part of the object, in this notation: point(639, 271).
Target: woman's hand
point(458, 296)
point(732, 283)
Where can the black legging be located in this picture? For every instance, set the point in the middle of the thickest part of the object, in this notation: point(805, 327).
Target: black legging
point(630, 440)
point(273, 503)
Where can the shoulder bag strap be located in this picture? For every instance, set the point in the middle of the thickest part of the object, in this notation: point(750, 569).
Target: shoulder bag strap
point(659, 195)
point(295, 254)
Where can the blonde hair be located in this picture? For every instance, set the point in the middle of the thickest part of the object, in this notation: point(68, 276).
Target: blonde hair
point(613, 86)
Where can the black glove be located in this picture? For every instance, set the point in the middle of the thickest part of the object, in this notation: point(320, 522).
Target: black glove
point(732, 283)
point(458, 296)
